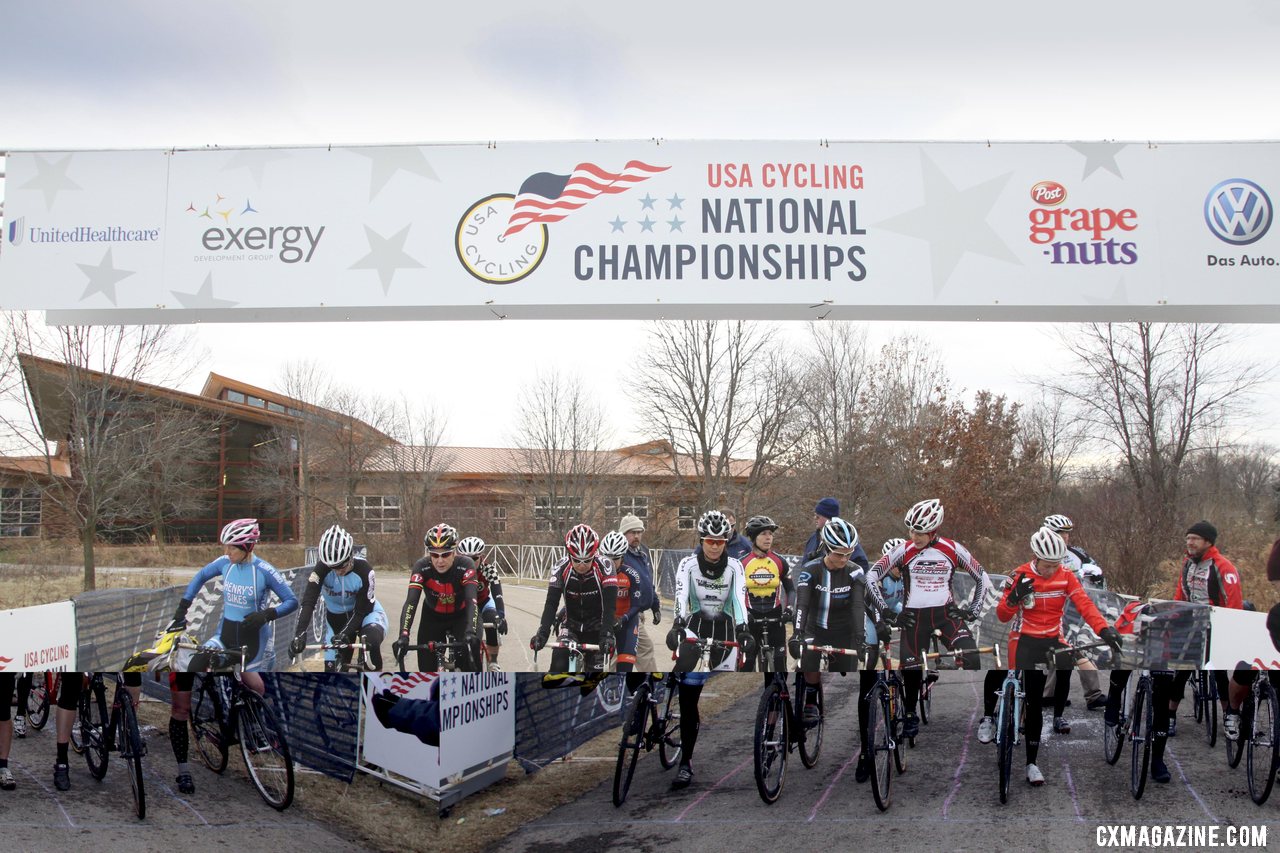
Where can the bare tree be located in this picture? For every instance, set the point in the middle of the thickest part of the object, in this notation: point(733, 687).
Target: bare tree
point(182, 448)
point(81, 390)
point(564, 441)
point(1154, 394)
point(1057, 435)
point(712, 390)
point(414, 464)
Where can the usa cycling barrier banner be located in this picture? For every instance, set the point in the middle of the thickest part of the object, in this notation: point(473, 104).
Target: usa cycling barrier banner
point(39, 638)
point(788, 230)
point(552, 723)
point(1240, 639)
point(402, 747)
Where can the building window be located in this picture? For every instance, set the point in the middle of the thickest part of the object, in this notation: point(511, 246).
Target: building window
point(373, 513)
point(499, 519)
point(258, 402)
point(19, 511)
point(233, 396)
point(687, 518)
point(616, 507)
point(547, 512)
point(275, 407)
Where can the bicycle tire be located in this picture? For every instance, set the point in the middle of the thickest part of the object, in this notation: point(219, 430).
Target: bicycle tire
point(669, 744)
point(1142, 721)
point(1211, 716)
point(926, 699)
point(1235, 748)
point(1006, 731)
point(1198, 697)
point(772, 743)
point(265, 750)
point(1113, 737)
point(634, 727)
point(207, 726)
point(38, 702)
point(1263, 742)
point(811, 738)
point(93, 720)
point(129, 741)
point(880, 739)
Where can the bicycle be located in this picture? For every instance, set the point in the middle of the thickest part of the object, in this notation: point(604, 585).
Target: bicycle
point(1204, 699)
point(706, 646)
point(578, 655)
point(1264, 740)
point(886, 715)
point(101, 735)
point(781, 728)
point(358, 662)
point(1009, 713)
point(766, 653)
point(1115, 736)
point(653, 719)
point(223, 713)
point(452, 655)
point(43, 686)
point(1136, 725)
point(931, 675)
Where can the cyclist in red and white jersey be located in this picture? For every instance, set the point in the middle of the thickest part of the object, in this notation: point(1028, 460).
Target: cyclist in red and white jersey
point(928, 563)
point(1035, 601)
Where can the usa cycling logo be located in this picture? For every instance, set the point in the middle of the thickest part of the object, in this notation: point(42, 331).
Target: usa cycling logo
point(1238, 211)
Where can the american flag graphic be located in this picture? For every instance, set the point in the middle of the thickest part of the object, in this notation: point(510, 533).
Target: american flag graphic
point(4, 664)
point(545, 197)
point(404, 682)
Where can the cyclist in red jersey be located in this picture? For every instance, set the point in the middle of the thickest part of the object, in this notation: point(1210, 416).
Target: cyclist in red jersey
point(1035, 600)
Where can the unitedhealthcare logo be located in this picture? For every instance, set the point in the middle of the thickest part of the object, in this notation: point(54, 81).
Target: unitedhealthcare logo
point(15, 231)
point(1238, 212)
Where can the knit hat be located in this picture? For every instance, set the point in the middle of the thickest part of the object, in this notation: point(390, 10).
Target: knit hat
point(828, 508)
point(1204, 530)
point(629, 523)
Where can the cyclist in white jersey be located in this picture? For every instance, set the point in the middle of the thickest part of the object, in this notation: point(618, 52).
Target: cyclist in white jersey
point(711, 597)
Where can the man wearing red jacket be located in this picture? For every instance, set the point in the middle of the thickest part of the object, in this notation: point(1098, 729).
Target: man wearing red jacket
point(1035, 600)
point(1207, 577)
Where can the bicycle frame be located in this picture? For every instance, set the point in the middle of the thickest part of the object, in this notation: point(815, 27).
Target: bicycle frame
point(705, 646)
point(359, 661)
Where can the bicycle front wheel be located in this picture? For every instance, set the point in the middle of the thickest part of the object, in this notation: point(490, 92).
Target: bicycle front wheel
point(1210, 703)
point(1006, 732)
point(771, 743)
point(1198, 697)
point(207, 715)
point(926, 698)
point(266, 751)
point(1262, 760)
point(129, 740)
point(1141, 722)
point(634, 727)
point(811, 741)
point(38, 702)
point(669, 745)
point(1235, 748)
point(93, 722)
point(880, 740)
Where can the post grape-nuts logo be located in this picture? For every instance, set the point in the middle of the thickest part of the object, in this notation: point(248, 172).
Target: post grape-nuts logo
point(1238, 212)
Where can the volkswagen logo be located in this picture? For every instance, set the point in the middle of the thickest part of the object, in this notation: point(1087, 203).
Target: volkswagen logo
point(1238, 212)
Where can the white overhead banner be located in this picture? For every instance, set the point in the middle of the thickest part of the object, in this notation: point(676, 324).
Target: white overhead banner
point(647, 229)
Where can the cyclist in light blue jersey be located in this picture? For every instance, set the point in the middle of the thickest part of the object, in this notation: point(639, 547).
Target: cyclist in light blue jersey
point(346, 583)
point(247, 581)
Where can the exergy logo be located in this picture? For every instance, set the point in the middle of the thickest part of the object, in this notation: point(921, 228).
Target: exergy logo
point(1080, 235)
point(1238, 212)
point(246, 241)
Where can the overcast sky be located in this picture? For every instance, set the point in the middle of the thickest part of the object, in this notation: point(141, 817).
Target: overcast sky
point(84, 75)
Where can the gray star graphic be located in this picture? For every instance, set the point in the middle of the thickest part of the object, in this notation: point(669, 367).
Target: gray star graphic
point(953, 221)
point(255, 161)
point(103, 278)
point(51, 179)
point(1099, 155)
point(646, 203)
point(646, 224)
point(617, 224)
point(386, 255)
point(204, 298)
point(391, 159)
point(676, 202)
point(1119, 296)
point(676, 223)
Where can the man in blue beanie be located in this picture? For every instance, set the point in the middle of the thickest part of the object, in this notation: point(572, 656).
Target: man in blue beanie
point(826, 509)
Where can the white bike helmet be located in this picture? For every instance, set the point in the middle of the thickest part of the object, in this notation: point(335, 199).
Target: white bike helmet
point(714, 525)
point(839, 535)
point(1058, 523)
point(472, 546)
point(1047, 545)
point(613, 545)
point(924, 517)
point(890, 545)
point(336, 546)
point(243, 533)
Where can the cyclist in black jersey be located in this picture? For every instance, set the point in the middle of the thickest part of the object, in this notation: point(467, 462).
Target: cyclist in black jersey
point(589, 590)
point(446, 583)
